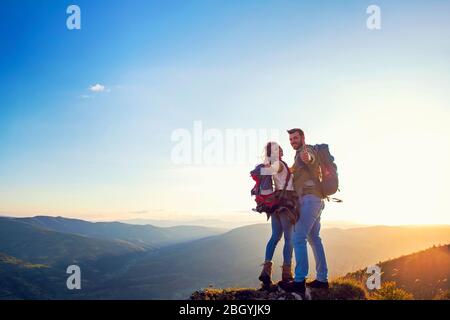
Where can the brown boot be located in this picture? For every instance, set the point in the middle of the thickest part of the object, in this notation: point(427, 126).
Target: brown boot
point(266, 273)
point(286, 275)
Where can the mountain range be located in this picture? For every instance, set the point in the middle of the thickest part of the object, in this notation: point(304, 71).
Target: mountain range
point(124, 261)
point(145, 236)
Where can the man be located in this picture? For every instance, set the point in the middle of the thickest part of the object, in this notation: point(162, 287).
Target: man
point(306, 172)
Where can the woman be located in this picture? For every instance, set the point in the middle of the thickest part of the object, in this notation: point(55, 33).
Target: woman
point(283, 215)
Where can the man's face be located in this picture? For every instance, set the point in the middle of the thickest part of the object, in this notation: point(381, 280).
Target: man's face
point(295, 140)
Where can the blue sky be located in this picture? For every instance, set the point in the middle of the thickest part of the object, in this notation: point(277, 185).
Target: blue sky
point(230, 64)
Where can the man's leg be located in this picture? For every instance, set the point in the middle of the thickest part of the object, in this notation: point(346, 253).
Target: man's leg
point(319, 253)
point(311, 207)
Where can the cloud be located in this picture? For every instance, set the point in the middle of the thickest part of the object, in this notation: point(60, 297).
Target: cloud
point(98, 88)
point(139, 212)
point(86, 96)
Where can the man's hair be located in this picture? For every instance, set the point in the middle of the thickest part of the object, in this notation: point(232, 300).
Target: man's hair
point(300, 131)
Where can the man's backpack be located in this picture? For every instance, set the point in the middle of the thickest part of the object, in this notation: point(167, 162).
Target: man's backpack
point(329, 182)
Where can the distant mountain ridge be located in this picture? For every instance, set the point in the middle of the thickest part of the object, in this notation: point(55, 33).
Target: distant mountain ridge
point(145, 236)
point(39, 245)
point(231, 222)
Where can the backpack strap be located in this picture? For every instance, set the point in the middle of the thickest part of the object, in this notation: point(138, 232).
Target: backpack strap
point(313, 175)
point(288, 177)
point(316, 179)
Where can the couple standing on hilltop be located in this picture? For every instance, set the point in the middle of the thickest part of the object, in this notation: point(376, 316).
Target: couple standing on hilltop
point(294, 207)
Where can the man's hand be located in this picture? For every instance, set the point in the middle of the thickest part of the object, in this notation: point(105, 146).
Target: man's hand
point(305, 156)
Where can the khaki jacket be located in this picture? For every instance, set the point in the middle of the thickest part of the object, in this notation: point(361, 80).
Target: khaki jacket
point(304, 183)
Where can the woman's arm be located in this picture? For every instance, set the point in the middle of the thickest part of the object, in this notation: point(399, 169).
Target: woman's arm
point(277, 167)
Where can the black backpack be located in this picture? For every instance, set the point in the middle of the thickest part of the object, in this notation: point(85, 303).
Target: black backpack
point(329, 184)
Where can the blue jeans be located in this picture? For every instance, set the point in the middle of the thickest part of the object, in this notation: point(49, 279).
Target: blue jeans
point(307, 229)
point(280, 225)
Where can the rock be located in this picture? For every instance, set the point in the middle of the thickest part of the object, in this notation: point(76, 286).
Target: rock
point(339, 290)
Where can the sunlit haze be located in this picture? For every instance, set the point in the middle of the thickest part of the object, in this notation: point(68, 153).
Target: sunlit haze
point(87, 118)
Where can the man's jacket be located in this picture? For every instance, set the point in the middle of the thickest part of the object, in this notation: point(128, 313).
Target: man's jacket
point(304, 182)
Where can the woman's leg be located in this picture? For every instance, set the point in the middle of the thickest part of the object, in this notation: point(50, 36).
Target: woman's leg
point(288, 248)
point(277, 232)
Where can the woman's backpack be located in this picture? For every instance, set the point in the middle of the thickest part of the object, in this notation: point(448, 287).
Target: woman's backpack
point(269, 200)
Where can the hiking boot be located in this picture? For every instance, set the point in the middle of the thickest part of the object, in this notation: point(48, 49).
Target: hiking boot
point(266, 274)
point(316, 284)
point(286, 275)
point(293, 286)
point(268, 287)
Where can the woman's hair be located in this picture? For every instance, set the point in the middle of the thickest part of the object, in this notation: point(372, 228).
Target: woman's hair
point(268, 151)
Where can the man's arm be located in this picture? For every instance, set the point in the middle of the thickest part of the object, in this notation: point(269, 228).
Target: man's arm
point(308, 155)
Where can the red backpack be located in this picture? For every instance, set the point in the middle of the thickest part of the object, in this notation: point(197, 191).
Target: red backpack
point(269, 202)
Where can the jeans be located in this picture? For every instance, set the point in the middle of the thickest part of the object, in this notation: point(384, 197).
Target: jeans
point(280, 225)
point(307, 229)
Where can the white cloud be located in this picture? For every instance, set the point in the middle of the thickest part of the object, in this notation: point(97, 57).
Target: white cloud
point(98, 88)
